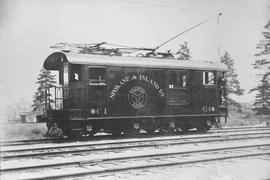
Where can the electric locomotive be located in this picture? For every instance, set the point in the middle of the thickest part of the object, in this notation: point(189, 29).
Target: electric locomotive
point(118, 94)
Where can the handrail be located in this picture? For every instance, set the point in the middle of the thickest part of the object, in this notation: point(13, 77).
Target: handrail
point(55, 96)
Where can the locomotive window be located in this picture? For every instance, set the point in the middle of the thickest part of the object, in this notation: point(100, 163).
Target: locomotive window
point(177, 80)
point(183, 80)
point(97, 76)
point(177, 87)
point(76, 72)
point(172, 80)
point(209, 78)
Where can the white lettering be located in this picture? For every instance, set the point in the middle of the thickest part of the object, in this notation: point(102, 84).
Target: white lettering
point(134, 77)
point(141, 77)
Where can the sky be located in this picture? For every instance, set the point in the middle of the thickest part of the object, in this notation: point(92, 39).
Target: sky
point(29, 27)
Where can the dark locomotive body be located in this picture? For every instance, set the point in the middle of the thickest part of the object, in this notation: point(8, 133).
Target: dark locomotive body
point(126, 94)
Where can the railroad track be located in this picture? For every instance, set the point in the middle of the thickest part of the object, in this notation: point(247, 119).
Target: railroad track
point(68, 148)
point(154, 160)
point(122, 145)
point(88, 159)
point(105, 137)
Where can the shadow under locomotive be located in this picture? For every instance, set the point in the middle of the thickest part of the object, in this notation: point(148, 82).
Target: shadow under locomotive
point(119, 94)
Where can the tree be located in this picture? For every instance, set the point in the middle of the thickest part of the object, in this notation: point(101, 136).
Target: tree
point(233, 85)
point(261, 104)
point(184, 52)
point(42, 96)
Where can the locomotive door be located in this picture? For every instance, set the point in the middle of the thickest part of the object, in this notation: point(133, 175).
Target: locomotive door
point(209, 97)
point(177, 89)
point(97, 88)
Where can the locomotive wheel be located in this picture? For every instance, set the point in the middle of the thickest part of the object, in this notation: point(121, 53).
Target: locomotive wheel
point(203, 127)
point(88, 130)
point(116, 129)
point(185, 128)
point(85, 133)
point(170, 127)
point(73, 134)
point(150, 126)
point(116, 132)
point(134, 129)
point(78, 134)
point(150, 131)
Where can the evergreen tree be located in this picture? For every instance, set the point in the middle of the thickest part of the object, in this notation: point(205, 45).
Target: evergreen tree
point(45, 81)
point(233, 85)
point(184, 52)
point(262, 64)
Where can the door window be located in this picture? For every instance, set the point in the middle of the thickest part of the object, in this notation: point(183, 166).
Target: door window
point(177, 87)
point(172, 80)
point(177, 79)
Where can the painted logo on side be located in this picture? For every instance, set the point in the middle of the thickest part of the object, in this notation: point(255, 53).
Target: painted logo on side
point(137, 97)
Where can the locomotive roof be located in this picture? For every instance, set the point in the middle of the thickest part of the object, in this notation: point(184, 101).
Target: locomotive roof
point(54, 61)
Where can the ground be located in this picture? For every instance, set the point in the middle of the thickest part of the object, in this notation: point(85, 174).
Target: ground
point(18, 131)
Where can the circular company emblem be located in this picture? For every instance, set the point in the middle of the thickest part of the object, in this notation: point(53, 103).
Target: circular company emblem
point(137, 97)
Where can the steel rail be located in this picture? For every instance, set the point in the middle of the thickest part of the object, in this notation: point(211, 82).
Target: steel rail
point(127, 147)
point(66, 140)
point(127, 142)
point(243, 127)
point(74, 163)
